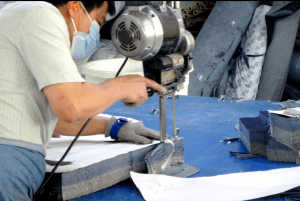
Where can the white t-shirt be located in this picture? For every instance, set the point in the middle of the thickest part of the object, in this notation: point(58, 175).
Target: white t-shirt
point(34, 53)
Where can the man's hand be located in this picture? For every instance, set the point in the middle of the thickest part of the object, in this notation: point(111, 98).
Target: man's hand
point(135, 89)
point(133, 132)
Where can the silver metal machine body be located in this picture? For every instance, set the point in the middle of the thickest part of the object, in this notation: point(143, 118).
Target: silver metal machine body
point(155, 34)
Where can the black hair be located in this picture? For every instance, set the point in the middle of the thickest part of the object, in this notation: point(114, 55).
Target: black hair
point(89, 5)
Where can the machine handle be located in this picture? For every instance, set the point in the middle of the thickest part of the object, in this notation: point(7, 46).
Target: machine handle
point(150, 91)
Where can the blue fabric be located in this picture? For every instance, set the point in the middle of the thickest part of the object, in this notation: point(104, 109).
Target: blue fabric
point(22, 171)
point(25, 145)
point(116, 127)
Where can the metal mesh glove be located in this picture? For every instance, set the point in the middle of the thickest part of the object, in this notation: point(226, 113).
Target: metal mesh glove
point(134, 132)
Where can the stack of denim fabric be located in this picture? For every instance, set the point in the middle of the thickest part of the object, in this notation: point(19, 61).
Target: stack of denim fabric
point(87, 173)
point(271, 135)
point(253, 135)
point(285, 132)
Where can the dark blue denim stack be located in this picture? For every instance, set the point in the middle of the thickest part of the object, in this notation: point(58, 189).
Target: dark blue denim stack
point(253, 135)
point(273, 136)
point(285, 135)
point(279, 152)
point(103, 174)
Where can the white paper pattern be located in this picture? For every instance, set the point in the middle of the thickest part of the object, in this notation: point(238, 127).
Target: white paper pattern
point(230, 187)
point(285, 112)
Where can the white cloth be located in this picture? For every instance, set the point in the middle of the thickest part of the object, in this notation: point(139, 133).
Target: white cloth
point(243, 81)
point(34, 53)
point(230, 187)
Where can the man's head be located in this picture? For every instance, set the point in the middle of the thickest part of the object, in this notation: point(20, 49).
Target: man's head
point(97, 10)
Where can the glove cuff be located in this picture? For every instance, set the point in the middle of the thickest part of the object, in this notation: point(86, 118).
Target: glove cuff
point(113, 127)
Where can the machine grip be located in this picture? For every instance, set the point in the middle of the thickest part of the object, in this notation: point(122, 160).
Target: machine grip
point(150, 91)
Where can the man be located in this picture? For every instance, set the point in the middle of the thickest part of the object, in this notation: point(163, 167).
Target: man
point(42, 92)
point(106, 49)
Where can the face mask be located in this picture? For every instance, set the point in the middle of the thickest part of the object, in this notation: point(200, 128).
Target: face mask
point(84, 44)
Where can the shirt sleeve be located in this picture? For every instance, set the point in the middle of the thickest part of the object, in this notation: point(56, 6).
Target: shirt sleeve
point(44, 46)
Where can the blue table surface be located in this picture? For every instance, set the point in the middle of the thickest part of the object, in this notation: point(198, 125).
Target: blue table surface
point(203, 123)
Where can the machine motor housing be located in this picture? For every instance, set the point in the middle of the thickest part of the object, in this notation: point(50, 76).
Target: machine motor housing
point(155, 35)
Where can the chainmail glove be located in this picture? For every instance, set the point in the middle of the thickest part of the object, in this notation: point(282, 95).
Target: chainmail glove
point(131, 131)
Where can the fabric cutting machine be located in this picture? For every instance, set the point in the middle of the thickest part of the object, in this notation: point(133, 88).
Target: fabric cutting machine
point(152, 32)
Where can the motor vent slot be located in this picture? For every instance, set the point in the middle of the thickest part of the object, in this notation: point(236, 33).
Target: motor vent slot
point(136, 31)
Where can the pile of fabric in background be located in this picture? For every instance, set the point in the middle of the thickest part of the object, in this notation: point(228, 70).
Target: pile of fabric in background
point(194, 16)
point(233, 52)
point(292, 87)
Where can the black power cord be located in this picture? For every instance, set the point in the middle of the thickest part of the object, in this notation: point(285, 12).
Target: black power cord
point(62, 158)
point(119, 71)
point(70, 147)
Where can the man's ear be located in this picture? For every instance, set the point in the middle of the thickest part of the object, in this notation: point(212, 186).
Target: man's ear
point(72, 8)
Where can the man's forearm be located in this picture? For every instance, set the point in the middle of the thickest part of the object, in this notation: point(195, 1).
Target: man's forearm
point(96, 126)
point(77, 101)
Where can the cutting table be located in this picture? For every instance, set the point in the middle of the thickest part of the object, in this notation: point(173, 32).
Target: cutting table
point(203, 123)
